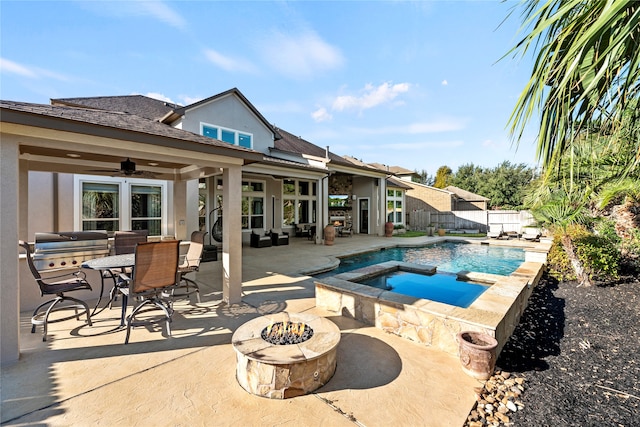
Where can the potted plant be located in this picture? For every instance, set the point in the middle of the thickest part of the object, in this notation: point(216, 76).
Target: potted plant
point(430, 229)
point(441, 231)
point(388, 229)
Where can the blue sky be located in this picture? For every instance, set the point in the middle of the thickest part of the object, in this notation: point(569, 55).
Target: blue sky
point(413, 84)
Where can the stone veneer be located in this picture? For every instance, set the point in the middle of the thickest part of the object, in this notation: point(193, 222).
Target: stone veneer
point(495, 312)
point(283, 371)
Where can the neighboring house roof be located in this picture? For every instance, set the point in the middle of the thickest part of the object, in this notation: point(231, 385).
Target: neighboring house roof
point(397, 183)
point(112, 124)
point(140, 105)
point(466, 195)
point(294, 144)
point(179, 112)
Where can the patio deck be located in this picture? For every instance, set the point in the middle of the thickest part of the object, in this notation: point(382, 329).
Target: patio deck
point(86, 376)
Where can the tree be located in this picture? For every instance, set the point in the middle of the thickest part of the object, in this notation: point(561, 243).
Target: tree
point(443, 176)
point(425, 178)
point(587, 71)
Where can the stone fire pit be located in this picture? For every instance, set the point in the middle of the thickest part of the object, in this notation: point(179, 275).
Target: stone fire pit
point(280, 371)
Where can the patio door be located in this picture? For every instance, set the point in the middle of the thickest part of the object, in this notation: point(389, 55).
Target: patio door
point(363, 216)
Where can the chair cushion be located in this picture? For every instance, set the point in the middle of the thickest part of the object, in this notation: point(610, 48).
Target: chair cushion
point(276, 230)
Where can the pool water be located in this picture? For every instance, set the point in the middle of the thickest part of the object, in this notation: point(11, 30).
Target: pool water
point(440, 287)
point(446, 256)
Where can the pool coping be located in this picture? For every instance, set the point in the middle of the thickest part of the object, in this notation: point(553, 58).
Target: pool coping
point(495, 312)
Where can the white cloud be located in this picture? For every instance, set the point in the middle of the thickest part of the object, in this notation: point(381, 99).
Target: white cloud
point(159, 96)
point(321, 115)
point(10, 67)
point(7, 66)
point(445, 83)
point(300, 56)
point(228, 63)
point(370, 97)
point(188, 100)
point(162, 12)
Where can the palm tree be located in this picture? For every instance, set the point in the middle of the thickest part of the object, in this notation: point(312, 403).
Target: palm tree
point(558, 213)
point(587, 70)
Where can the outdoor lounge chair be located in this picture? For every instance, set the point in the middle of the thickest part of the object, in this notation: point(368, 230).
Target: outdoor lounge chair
point(67, 282)
point(496, 231)
point(531, 233)
point(154, 276)
point(259, 239)
point(345, 231)
point(279, 237)
point(191, 264)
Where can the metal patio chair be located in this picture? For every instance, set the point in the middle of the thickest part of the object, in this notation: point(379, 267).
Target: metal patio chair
point(67, 282)
point(155, 274)
point(191, 264)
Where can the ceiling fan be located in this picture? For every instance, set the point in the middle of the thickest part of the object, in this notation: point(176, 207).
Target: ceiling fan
point(127, 168)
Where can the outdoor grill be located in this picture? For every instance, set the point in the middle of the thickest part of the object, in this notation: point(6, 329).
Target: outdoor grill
point(56, 251)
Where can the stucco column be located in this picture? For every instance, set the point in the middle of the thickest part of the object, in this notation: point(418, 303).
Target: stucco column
point(232, 235)
point(180, 199)
point(9, 280)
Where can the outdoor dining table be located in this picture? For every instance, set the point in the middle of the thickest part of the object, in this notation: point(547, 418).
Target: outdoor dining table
point(110, 263)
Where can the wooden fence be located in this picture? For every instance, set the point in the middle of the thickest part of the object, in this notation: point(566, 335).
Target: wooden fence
point(511, 221)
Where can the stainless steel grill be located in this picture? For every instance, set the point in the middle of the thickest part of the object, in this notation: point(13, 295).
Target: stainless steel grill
point(56, 251)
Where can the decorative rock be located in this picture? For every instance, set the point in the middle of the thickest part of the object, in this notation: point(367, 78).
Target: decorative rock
point(512, 407)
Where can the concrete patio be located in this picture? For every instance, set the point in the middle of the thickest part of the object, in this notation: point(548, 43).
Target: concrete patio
point(86, 376)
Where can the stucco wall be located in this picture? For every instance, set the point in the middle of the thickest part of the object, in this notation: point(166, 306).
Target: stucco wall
point(231, 113)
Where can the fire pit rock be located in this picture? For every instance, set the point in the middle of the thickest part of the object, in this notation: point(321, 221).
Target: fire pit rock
point(281, 371)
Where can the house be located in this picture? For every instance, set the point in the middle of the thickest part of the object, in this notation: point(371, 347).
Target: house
point(216, 157)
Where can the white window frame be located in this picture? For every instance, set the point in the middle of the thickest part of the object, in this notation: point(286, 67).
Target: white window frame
point(258, 194)
point(124, 193)
point(395, 198)
point(296, 197)
point(236, 138)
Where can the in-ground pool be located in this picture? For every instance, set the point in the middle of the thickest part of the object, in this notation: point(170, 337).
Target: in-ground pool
point(441, 287)
point(447, 256)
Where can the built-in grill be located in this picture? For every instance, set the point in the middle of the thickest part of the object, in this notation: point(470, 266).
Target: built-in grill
point(55, 251)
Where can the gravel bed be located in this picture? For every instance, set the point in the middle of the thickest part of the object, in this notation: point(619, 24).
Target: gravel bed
point(579, 351)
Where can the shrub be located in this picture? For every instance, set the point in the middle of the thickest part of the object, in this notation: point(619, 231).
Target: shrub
point(599, 255)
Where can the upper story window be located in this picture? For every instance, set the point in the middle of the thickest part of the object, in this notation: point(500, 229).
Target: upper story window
point(242, 139)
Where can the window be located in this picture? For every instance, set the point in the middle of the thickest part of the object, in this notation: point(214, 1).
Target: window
point(231, 136)
point(100, 206)
point(146, 209)
point(113, 204)
point(298, 202)
point(394, 206)
point(252, 205)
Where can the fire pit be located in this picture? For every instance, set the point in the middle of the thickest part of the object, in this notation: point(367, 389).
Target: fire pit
point(285, 354)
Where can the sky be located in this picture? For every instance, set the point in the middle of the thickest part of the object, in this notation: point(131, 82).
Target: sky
point(417, 84)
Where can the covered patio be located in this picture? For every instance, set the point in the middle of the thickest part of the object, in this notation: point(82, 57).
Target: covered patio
point(72, 141)
point(85, 375)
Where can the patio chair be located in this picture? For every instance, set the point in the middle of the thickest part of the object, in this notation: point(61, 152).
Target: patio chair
point(191, 264)
point(67, 282)
point(124, 242)
point(345, 231)
point(279, 237)
point(531, 233)
point(496, 231)
point(155, 274)
point(259, 239)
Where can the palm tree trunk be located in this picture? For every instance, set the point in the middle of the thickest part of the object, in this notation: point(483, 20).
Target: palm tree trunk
point(569, 248)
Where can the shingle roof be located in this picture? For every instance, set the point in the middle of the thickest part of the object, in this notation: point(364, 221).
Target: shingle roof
point(140, 105)
point(294, 144)
point(464, 194)
point(392, 182)
point(118, 121)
